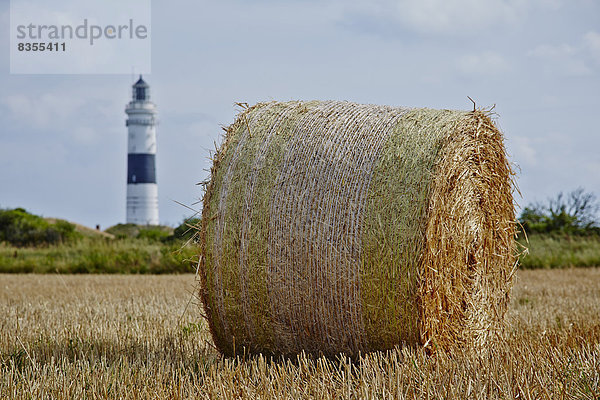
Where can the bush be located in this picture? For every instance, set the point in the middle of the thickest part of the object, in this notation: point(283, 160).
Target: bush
point(187, 229)
point(121, 231)
point(147, 232)
point(20, 228)
point(153, 233)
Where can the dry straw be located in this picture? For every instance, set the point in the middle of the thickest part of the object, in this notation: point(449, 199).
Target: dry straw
point(332, 227)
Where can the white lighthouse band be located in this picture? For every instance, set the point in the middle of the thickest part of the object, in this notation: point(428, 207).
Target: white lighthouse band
point(142, 188)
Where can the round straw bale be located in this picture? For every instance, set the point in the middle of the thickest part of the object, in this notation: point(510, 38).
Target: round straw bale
point(333, 227)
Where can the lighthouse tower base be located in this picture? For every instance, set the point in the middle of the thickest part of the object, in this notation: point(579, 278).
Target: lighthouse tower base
point(142, 204)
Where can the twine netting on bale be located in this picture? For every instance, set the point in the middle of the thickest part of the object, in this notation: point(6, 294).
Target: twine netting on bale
point(333, 227)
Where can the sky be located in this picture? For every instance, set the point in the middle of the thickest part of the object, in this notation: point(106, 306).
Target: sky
point(63, 140)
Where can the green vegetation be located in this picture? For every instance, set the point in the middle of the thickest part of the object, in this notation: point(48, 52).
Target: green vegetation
point(554, 251)
point(164, 234)
point(563, 232)
point(558, 235)
point(575, 213)
point(186, 230)
point(30, 243)
point(137, 256)
point(20, 228)
point(150, 232)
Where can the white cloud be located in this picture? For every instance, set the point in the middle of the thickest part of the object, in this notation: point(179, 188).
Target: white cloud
point(44, 111)
point(577, 59)
point(553, 51)
point(524, 151)
point(462, 17)
point(592, 45)
point(452, 15)
point(486, 63)
point(67, 116)
point(85, 135)
point(48, 154)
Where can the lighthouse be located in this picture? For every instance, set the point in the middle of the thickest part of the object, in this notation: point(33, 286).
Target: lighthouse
point(142, 190)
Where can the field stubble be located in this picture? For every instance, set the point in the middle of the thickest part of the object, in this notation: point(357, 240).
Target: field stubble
point(132, 337)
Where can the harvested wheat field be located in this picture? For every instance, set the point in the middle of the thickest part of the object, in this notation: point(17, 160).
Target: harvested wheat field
point(331, 226)
point(134, 337)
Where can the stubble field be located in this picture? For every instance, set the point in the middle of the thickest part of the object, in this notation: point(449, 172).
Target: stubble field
point(138, 337)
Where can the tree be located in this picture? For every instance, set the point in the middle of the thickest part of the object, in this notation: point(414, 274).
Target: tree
point(573, 213)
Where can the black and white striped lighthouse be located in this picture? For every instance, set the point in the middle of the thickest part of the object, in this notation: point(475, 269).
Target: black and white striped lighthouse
point(142, 189)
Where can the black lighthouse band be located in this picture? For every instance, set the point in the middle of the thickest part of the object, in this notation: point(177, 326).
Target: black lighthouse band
point(141, 168)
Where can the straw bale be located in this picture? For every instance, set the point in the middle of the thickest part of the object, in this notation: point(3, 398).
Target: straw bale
point(333, 227)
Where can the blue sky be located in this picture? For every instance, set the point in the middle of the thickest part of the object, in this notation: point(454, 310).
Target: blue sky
point(63, 137)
